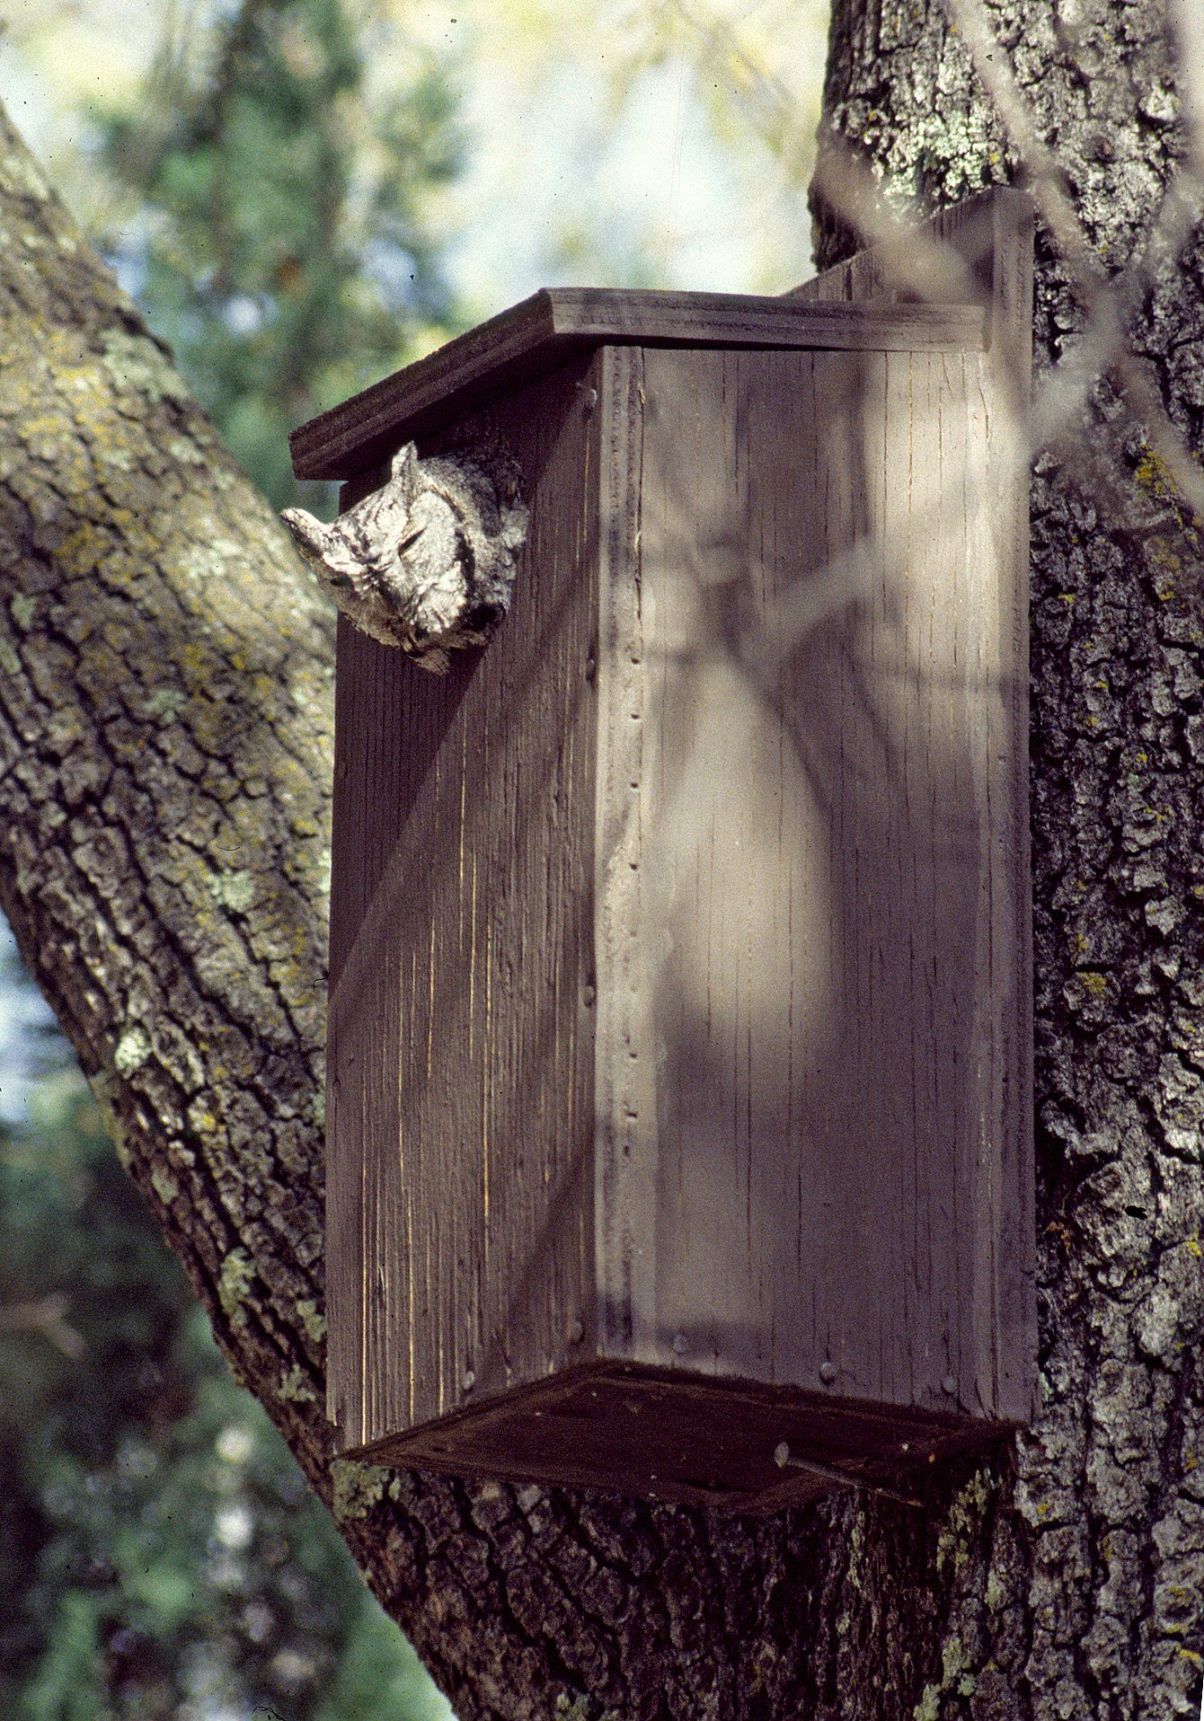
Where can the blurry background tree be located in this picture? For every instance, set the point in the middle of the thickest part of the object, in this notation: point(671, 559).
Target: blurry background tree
point(288, 189)
point(159, 1553)
point(274, 224)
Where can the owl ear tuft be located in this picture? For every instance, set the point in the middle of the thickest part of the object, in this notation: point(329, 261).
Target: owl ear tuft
point(403, 470)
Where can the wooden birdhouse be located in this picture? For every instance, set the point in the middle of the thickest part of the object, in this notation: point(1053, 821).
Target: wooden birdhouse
point(679, 1050)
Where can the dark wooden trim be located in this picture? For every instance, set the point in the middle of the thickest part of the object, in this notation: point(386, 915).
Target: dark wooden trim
point(536, 336)
point(688, 1438)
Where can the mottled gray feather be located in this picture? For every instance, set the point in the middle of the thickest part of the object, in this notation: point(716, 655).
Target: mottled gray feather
point(426, 563)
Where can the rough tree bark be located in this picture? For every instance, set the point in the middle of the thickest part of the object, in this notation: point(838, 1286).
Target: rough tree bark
point(1077, 1586)
point(165, 710)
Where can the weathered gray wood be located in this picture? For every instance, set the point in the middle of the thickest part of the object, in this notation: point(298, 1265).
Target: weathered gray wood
point(811, 960)
point(460, 1196)
point(679, 1039)
point(979, 251)
point(543, 331)
point(982, 249)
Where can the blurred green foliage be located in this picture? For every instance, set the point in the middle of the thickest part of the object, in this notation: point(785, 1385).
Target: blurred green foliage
point(159, 1553)
point(275, 230)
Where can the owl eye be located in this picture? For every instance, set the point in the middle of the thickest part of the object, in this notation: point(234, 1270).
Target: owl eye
point(410, 538)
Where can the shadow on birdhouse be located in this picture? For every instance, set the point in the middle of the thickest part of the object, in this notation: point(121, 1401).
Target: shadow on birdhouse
point(679, 1048)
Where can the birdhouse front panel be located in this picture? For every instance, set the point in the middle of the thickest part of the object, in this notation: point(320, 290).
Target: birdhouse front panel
point(679, 1039)
point(810, 919)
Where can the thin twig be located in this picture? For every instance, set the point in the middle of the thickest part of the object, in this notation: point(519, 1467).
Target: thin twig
point(786, 1460)
point(48, 1317)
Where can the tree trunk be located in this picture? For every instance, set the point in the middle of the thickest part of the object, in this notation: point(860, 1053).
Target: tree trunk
point(165, 715)
point(1076, 1588)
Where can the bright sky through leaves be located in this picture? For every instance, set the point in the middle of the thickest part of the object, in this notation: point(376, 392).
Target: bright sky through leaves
point(616, 144)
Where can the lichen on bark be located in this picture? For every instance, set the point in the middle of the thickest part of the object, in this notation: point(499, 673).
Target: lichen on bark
point(164, 709)
point(1080, 1601)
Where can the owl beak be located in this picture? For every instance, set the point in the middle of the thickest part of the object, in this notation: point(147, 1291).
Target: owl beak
point(308, 534)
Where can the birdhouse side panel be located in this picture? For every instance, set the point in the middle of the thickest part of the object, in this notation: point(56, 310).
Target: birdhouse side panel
point(460, 1197)
point(376, 780)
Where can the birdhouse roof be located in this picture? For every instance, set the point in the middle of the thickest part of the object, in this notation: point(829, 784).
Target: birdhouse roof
point(540, 333)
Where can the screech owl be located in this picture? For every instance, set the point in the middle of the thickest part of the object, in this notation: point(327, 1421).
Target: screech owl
point(425, 563)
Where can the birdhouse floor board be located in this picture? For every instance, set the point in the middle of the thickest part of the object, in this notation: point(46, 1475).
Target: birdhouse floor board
point(539, 334)
point(689, 1439)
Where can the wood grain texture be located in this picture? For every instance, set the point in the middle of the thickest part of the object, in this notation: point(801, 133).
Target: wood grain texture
point(982, 249)
point(545, 330)
point(979, 251)
point(460, 1085)
point(679, 1039)
point(811, 975)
